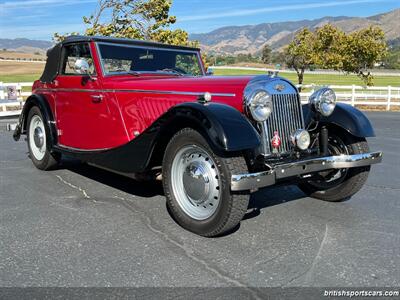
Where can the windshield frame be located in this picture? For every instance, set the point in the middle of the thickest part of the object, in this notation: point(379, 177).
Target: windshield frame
point(105, 74)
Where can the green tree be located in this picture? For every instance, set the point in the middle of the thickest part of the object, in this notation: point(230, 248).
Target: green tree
point(330, 48)
point(392, 60)
point(135, 19)
point(300, 53)
point(266, 54)
point(362, 50)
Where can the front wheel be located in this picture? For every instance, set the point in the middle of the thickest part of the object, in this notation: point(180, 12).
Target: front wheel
point(197, 185)
point(339, 184)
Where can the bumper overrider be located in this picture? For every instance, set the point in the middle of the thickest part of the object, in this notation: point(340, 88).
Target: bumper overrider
point(254, 181)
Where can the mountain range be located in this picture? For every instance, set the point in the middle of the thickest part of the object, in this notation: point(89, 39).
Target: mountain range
point(25, 45)
point(252, 38)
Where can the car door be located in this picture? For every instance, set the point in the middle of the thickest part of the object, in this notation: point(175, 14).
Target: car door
point(81, 108)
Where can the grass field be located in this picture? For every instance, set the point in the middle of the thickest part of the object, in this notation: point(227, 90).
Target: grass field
point(20, 71)
point(28, 72)
point(324, 79)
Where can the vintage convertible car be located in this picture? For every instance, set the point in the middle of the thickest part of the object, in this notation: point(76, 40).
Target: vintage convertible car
point(145, 109)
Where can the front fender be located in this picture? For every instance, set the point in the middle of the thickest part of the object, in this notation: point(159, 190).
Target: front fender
point(226, 129)
point(41, 102)
point(347, 117)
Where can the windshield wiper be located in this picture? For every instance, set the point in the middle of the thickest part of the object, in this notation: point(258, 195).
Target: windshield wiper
point(171, 71)
point(134, 73)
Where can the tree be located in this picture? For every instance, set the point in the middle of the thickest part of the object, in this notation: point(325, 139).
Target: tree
point(300, 53)
point(392, 60)
point(135, 19)
point(266, 54)
point(362, 50)
point(330, 48)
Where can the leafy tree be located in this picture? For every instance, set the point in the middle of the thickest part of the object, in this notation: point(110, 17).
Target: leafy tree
point(330, 48)
point(362, 50)
point(135, 19)
point(392, 60)
point(266, 54)
point(300, 53)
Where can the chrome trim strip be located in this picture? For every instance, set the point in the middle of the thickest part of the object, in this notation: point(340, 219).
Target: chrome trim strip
point(62, 147)
point(134, 91)
point(254, 181)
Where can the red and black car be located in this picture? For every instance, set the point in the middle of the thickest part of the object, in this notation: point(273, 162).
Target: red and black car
point(137, 107)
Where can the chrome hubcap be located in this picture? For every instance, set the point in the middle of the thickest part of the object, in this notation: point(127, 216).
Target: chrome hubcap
point(37, 137)
point(195, 182)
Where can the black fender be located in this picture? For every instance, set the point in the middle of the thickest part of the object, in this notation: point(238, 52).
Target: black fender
point(345, 116)
point(41, 102)
point(225, 129)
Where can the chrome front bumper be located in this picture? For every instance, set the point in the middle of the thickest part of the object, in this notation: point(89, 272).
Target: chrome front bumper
point(254, 181)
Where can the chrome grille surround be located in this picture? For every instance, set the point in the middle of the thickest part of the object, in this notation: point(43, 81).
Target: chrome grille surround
point(286, 117)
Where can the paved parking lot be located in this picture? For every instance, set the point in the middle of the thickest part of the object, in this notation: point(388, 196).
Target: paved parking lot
point(81, 226)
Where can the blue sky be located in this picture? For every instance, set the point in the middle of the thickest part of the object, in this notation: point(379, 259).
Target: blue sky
point(39, 19)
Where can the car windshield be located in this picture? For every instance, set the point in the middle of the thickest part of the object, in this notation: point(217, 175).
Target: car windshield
point(125, 59)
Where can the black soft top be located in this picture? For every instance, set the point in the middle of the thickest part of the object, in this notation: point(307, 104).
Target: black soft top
point(54, 54)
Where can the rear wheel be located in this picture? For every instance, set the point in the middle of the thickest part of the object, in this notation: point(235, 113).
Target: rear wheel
point(197, 185)
point(37, 138)
point(339, 184)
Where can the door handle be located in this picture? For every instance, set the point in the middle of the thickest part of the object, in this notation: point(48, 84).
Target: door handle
point(96, 98)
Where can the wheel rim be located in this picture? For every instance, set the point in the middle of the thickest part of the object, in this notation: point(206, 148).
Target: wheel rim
point(195, 182)
point(37, 137)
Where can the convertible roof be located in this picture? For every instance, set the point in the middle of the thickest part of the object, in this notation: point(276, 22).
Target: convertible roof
point(107, 39)
point(54, 54)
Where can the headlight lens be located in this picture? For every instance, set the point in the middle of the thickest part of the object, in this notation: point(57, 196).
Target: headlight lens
point(260, 105)
point(324, 101)
point(301, 138)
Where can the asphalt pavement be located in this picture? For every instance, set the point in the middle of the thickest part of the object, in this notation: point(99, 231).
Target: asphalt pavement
point(82, 226)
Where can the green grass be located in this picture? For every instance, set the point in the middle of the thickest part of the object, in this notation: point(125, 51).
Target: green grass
point(19, 78)
point(308, 78)
point(324, 79)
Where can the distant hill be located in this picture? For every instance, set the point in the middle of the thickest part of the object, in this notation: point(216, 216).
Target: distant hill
point(252, 38)
point(25, 45)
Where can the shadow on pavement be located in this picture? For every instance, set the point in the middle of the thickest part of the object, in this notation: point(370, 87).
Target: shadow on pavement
point(264, 198)
point(271, 196)
point(145, 189)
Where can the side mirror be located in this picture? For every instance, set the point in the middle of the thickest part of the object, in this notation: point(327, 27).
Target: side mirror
point(81, 66)
point(209, 72)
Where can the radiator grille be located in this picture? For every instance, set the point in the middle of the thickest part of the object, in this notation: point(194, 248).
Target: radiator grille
point(286, 118)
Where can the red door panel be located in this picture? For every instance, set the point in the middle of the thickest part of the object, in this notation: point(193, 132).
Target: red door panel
point(88, 118)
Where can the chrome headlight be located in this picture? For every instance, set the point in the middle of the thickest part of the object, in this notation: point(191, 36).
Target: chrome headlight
point(323, 101)
point(301, 139)
point(260, 105)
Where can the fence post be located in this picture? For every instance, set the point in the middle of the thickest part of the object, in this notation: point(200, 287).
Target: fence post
point(353, 95)
point(389, 96)
point(1, 91)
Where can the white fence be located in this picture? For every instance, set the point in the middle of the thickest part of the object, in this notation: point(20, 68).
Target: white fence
point(387, 97)
point(12, 107)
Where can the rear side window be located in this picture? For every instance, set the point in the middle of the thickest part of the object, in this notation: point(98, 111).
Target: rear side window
point(71, 53)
